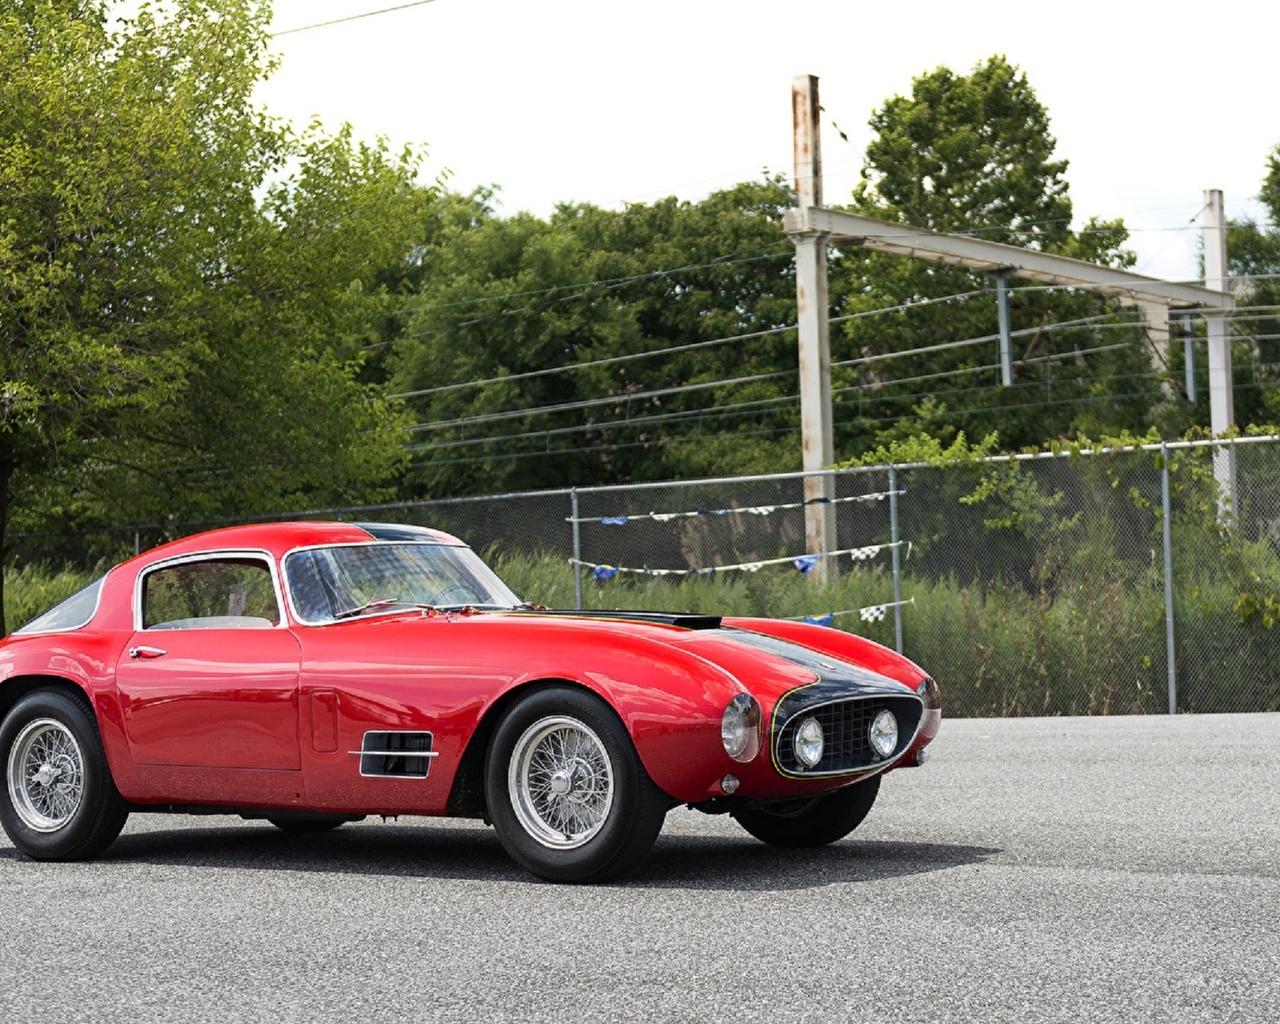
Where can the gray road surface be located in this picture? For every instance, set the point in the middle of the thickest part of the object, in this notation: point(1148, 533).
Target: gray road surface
point(1082, 870)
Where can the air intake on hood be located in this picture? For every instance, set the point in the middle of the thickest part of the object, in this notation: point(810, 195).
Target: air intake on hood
point(685, 620)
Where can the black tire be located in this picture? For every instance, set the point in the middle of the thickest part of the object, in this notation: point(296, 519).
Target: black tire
point(566, 791)
point(808, 823)
point(58, 801)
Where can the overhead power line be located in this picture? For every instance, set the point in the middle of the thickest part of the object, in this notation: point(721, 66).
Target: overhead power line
point(350, 17)
point(673, 349)
point(1081, 324)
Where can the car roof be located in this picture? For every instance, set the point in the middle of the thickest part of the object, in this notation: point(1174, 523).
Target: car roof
point(279, 538)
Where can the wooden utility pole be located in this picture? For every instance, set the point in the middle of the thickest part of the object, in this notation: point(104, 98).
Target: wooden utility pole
point(812, 315)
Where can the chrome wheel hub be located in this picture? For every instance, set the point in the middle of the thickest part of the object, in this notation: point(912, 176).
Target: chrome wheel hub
point(45, 775)
point(561, 783)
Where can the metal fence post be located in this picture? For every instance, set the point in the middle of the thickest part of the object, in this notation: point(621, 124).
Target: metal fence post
point(576, 561)
point(897, 562)
point(1170, 652)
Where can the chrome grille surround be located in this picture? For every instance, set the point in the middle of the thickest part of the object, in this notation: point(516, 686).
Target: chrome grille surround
point(846, 750)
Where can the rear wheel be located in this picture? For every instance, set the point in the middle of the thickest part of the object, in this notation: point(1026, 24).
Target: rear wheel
point(813, 822)
point(59, 802)
point(566, 791)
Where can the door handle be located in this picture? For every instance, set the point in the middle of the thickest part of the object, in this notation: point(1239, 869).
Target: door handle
point(146, 652)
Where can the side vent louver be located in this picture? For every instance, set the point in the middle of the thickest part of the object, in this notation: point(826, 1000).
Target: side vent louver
point(404, 755)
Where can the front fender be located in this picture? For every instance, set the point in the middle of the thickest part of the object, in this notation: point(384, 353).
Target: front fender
point(670, 701)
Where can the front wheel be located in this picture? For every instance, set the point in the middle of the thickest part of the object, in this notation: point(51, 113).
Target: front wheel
point(814, 822)
point(59, 802)
point(566, 790)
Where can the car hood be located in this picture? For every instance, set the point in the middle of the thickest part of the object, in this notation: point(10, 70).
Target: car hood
point(755, 653)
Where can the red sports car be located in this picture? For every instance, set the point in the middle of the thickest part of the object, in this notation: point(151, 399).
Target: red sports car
point(314, 673)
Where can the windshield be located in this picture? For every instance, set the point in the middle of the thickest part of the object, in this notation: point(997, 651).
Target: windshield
point(328, 584)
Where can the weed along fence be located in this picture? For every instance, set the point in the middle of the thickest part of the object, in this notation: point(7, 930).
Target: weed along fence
point(1104, 582)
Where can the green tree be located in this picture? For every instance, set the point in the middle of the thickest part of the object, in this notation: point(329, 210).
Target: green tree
point(973, 154)
point(1253, 253)
point(183, 287)
point(544, 353)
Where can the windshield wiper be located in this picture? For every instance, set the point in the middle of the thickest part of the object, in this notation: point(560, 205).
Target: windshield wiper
point(377, 604)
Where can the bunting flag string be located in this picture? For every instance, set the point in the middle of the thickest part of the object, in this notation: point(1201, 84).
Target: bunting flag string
point(755, 510)
point(871, 613)
point(803, 563)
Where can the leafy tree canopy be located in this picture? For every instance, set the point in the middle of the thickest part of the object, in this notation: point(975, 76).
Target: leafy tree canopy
point(590, 346)
point(185, 283)
point(973, 154)
point(1253, 252)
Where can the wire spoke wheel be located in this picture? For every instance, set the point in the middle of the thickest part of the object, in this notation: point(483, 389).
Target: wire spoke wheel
point(58, 801)
point(560, 782)
point(46, 775)
point(566, 789)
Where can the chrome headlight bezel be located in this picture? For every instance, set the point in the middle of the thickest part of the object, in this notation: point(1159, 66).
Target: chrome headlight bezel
point(807, 741)
point(883, 734)
point(740, 728)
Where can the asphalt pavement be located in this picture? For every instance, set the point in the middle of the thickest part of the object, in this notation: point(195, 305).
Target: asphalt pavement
point(1082, 870)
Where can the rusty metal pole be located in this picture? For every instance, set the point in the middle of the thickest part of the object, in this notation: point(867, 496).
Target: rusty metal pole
point(812, 314)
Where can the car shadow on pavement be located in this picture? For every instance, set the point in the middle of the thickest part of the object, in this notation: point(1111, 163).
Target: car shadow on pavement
point(405, 849)
point(411, 849)
point(729, 862)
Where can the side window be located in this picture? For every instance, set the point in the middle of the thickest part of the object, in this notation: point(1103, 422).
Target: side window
point(210, 594)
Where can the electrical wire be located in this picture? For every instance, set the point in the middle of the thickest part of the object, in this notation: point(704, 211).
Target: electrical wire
point(606, 361)
point(607, 285)
point(679, 389)
point(350, 17)
point(729, 411)
point(671, 350)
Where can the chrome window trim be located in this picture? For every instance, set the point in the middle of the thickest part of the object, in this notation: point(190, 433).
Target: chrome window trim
point(228, 554)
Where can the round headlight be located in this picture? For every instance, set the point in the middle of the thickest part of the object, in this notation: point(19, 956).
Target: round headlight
point(807, 742)
point(883, 734)
point(740, 728)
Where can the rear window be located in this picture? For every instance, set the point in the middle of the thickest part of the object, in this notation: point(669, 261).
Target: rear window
point(74, 612)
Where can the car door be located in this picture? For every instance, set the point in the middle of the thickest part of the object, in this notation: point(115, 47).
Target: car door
point(210, 676)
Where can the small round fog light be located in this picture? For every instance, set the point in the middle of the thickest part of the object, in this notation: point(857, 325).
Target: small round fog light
point(729, 785)
point(883, 734)
point(808, 742)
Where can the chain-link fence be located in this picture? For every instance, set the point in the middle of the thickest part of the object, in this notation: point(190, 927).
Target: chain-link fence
point(1100, 583)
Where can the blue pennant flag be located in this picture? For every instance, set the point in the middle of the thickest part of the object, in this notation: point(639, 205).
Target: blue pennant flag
point(603, 572)
point(820, 620)
point(805, 563)
point(613, 520)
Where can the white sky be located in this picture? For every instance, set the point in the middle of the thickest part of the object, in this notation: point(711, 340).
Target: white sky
point(608, 102)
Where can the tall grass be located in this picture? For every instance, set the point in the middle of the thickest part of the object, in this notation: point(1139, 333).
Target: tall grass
point(996, 649)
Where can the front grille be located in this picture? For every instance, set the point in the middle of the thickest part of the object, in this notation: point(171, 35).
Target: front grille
point(844, 730)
